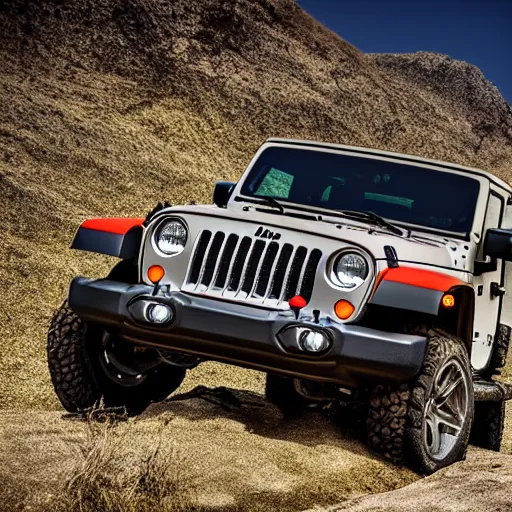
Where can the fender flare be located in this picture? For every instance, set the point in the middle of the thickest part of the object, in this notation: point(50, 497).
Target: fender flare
point(415, 289)
point(421, 290)
point(119, 237)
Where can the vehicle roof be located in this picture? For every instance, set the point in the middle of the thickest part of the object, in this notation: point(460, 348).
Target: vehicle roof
point(397, 156)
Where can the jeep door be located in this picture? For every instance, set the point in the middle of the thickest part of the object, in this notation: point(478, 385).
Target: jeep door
point(487, 304)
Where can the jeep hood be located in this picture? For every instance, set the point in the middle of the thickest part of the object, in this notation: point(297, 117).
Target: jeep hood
point(420, 248)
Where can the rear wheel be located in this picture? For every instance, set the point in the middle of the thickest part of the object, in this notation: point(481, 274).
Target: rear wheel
point(500, 350)
point(281, 391)
point(488, 426)
point(427, 422)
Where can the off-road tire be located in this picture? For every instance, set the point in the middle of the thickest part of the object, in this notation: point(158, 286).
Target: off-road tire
point(500, 350)
point(487, 431)
point(281, 392)
point(69, 369)
point(395, 420)
point(80, 381)
point(67, 363)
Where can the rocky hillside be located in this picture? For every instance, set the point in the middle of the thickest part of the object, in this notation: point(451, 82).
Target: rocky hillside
point(108, 107)
point(461, 85)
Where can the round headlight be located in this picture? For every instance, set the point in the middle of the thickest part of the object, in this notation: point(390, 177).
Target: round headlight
point(171, 237)
point(351, 270)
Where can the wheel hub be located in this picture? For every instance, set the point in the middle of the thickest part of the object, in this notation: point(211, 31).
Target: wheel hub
point(122, 364)
point(446, 409)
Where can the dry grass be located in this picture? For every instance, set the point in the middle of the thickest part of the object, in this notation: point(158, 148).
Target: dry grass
point(105, 480)
point(109, 475)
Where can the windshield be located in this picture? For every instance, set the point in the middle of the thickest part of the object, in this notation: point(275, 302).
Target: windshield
point(396, 191)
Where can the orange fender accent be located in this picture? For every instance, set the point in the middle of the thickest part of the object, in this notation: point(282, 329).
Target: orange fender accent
point(420, 277)
point(118, 226)
point(115, 237)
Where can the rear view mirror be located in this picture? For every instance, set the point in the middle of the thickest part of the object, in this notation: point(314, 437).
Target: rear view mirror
point(222, 192)
point(498, 244)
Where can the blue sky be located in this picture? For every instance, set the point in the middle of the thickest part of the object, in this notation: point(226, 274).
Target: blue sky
point(477, 31)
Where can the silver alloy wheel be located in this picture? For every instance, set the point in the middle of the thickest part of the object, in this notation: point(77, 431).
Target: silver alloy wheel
point(446, 409)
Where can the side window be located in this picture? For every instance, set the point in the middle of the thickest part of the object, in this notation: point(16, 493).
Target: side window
point(275, 184)
point(507, 218)
point(487, 307)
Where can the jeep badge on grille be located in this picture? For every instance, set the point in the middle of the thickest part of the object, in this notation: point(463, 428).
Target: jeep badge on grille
point(261, 232)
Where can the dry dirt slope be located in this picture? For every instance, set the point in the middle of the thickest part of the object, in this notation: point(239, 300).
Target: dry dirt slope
point(230, 451)
point(108, 107)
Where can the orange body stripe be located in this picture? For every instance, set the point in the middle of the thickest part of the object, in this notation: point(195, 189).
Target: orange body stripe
point(422, 278)
point(113, 225)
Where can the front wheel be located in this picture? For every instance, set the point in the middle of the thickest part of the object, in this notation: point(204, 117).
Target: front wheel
point(87, 364)
point(426, 423)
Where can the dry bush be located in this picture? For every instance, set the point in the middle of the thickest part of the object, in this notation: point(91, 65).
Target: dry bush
point(110, 479)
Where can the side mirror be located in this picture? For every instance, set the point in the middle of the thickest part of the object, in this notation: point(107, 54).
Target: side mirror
point(222, 192)
point(498, 244)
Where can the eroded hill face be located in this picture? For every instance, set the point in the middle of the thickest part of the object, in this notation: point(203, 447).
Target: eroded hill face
point(109, 107)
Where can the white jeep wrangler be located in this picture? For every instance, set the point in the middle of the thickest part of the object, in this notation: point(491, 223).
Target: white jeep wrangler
point(344, 273)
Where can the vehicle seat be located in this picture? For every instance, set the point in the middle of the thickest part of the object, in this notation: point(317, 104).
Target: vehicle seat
point(436, 212)
point(348, 197)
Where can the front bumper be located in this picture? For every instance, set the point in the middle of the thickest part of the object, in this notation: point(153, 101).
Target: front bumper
point(248, 336)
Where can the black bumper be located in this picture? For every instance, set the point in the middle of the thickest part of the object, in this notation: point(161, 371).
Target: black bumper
point(248, 336)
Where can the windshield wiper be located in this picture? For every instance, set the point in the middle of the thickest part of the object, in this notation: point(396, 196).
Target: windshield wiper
point(373, 218)
point(353, 214)
point(272, 201)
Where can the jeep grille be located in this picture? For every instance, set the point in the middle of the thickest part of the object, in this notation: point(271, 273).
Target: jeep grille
point(243, 268)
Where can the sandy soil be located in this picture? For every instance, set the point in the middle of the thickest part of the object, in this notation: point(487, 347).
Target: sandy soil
point(237, 452)
point(482, 482)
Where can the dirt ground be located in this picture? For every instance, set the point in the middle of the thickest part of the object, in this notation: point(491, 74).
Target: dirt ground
point(480, 483)
point(237, 453)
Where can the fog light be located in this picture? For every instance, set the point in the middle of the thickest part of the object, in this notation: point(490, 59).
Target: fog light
point(314, 341)
point(159, 313)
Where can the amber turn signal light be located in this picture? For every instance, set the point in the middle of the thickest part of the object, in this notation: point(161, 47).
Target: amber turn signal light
point(448, 301)
point(155, 273)
point(343, 309)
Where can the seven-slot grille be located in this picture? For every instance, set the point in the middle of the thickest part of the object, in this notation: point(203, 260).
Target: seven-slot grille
point(243, 268)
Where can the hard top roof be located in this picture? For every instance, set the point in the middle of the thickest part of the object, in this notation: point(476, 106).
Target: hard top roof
point(398, 156)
